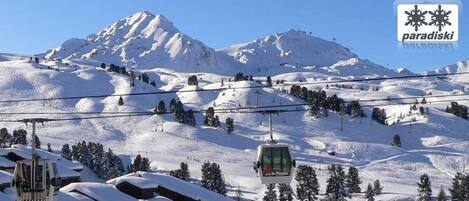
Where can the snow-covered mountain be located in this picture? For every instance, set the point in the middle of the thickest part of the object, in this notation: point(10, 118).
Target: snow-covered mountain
point(292, 47)
point(434, 143)
point(146, 41)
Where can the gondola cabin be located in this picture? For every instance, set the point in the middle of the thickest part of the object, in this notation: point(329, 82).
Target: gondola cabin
point(274, 163)
point(35, 184)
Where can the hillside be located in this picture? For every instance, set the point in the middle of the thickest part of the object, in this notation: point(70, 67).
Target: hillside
point(435, 143)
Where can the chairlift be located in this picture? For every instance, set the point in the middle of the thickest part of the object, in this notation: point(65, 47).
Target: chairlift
point(34, 180)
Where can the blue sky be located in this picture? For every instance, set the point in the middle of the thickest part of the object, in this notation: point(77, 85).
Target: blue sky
point(368, 27)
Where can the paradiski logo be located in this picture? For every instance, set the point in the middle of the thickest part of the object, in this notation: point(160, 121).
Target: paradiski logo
point(427, 22)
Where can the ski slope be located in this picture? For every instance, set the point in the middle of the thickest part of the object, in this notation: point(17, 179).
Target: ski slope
point(435, 144)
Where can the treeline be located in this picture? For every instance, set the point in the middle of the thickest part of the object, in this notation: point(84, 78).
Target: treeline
point(340, 185)
point(318, 100)
point(459, 189)
point(458, 110)
point(187, 116)
point(122, 70)
point(105, 164)
point(19, 136)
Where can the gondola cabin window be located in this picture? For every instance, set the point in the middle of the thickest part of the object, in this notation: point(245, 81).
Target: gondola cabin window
point(276, 161)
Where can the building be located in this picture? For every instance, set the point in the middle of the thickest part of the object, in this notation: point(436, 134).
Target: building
point(7, 165)
point(97, 191)
point(67, 170)
point(141, 185)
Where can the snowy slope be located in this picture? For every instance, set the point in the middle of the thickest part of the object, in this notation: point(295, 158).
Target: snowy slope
point(144, 40)
point(433, 144)
point(148, 41)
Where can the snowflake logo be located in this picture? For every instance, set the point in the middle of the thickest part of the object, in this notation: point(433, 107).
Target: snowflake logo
point(440, 18)
point(416, 18)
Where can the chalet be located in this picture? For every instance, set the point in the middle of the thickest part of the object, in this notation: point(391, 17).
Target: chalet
point(142, 185)
point(66, 170)
point(97, 191)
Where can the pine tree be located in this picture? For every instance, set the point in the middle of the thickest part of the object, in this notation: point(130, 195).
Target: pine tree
point(396, 140)
point(66, 152)
point(457, 188)
point(335, 189)
point(5, 137)
point(424, 188)
point(269, 81)
point(377, 188)
point(210, 118)
point(37, 142)
point(229, 125)
point(270, 193)
point(161, 108)
point(370, 193)
point(353, 181)
point(181, 173)
point(307, 187)
point(49, 149)
point(144, 165)
point(212, 178)
point(441, 195)
point(285, 193)
point(120, 102)
point(192, 80)
point(103, 65)
point(19, 137)
point(179, 112)
point(134, 167)
point(172, 105)
point(152, 83)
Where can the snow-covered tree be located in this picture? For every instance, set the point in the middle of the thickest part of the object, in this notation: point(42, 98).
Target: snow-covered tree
point(370, 193)
point(49, 149)
point(353, 180)
point(229, 125)
point(212, 178)
point(182, 172)
point(5, 137)
point(19, 137)
point(285, 193)
point(441, 195)
point(161, 108)
point(458, 188)
point(378, 189)
point(37, 142)
point(424, 188)
point(307, 187)
point(66, 152)
point(335, 189)
point(396, 141)
point(192, 80)
point(270, 193)
point(172, 105)
point(120, 102)
point(210, 118)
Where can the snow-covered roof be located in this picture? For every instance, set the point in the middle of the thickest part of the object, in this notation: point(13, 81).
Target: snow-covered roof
point(5, 163)
point(5, 177)
point(5, 197)
point(71, 196)
point(64, 166)
point(97, 191)
point(141, 182)
point(171, 183)
point(158, 198)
